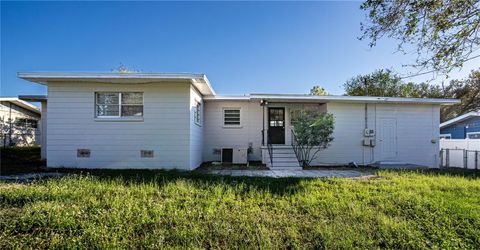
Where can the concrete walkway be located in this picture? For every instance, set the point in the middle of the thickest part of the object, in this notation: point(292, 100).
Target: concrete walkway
point(29, 177)
point(291, 173)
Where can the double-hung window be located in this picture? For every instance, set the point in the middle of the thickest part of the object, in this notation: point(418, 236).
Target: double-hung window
point(231, 117)
point(118, 104)
point(197, 114)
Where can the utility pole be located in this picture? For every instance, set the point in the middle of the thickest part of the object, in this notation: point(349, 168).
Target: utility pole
point(365, 83)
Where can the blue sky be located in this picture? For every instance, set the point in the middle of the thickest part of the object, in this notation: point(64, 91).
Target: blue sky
point(243, 47)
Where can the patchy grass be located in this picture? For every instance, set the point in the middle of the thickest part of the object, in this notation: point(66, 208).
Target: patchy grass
point(155, 209)
point(16, 160)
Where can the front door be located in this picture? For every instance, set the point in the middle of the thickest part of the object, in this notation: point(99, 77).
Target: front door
point(388, 138)
point(276, 125)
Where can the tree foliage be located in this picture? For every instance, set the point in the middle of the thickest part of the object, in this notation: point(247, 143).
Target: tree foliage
point(467, 90)
point(443, 32)
point(317, 90)
point(387, 83)
point(313, 132)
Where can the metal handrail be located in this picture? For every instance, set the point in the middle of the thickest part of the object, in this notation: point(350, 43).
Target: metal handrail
point(270, 148)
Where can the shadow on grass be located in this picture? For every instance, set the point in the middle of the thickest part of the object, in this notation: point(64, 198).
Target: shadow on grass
point(18, 160)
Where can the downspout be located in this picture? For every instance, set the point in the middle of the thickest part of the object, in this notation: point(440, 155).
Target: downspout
point(262, 102)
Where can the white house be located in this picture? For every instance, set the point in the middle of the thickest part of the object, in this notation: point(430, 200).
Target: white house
point(19, 123)
point(150, 120)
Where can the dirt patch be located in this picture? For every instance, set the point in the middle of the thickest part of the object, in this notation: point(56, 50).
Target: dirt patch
point(206, 166)
point(369, 177)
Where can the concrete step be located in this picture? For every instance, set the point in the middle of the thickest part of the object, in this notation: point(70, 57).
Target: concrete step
point(286, 168)
point(284, 156)
point(284, 150)
point(285, 164)
point(285, 160)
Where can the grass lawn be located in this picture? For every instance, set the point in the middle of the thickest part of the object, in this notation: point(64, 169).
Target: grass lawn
point(154, 209)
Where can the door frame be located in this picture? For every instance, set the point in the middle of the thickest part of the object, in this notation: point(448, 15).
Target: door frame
point(284, 124)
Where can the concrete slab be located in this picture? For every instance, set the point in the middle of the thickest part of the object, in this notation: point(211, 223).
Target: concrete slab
point(291, 173)
point(29, 177)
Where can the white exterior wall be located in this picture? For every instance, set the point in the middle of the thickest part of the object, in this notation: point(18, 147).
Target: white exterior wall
point(19, 136)
point(117, 144)
point(43, 127)
point(416, 126)
point(196, 130)
point(218, 136)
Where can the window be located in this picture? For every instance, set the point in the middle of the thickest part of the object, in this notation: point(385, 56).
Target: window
point(231, 117)
point(197, 113)
point(445, 136)
point(473, 135)
point(26, 123)
point(118, 104)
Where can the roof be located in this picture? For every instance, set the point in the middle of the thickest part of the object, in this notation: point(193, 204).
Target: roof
point(21, 103)
point(333, 98)
point(200, 81)
point(33, 98)
point(460, 118)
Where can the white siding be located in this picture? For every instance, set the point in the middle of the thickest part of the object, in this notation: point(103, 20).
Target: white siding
point(218, 136)
point(348, 135)
point(196, 130)
point(43, 127)
point(117, 144)
point(20, 136)
point(416, 126)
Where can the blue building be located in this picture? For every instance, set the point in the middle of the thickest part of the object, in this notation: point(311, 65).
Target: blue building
point(466, 126)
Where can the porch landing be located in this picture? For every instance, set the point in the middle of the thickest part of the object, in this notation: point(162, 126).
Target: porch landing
point(291, 173)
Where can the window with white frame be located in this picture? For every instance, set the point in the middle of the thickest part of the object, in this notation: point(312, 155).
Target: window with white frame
point(473, 135)
point(445, 136)
point(118, 104)
point(197, 114)
point(231, 117)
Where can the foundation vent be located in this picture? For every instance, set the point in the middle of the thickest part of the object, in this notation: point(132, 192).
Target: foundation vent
point(146, 153)
point(83, 153)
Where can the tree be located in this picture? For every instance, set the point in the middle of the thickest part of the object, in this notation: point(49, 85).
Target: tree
point(386, 83)
point(317, 90)
point(380, 83)
point(467, 90)
point(312, 132)
point(443, 33)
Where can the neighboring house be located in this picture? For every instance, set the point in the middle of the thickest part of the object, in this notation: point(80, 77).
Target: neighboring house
point(149, 120)
point(466, 126)
point(19, 123)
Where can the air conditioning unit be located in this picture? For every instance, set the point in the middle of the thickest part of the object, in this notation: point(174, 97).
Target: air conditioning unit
point(240, 155)
point(234, 155)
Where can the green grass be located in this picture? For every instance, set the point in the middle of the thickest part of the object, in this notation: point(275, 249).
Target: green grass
point(155, 209)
